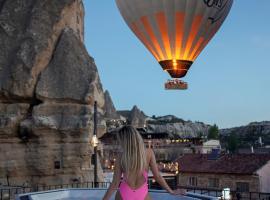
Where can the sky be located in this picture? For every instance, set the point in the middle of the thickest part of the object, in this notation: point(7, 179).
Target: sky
point(228, 83)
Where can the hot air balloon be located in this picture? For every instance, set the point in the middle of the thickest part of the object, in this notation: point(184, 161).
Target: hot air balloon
point(175, 31)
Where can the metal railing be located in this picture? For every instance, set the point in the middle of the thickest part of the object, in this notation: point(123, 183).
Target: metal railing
point(250, 195)
point(234, 194)
point(203, 191)
point(9, 193)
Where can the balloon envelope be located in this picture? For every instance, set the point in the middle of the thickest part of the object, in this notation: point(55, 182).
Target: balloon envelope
point(175, 31)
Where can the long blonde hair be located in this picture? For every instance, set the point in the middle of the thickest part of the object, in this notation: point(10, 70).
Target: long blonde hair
point(133, 158)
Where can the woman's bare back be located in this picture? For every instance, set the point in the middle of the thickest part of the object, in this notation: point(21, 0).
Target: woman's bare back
point(138, 181)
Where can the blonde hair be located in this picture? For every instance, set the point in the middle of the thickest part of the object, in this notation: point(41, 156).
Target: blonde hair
point(133, 158)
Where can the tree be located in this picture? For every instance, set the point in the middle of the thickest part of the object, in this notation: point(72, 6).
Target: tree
point(213, 132)
point(200, 134)
point(232, 143)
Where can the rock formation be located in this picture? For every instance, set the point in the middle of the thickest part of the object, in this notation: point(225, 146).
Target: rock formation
point(164, 124)
point(109, 109)
point(48, 85)
point(135, 117)
point(186, 129)
point(249, 135)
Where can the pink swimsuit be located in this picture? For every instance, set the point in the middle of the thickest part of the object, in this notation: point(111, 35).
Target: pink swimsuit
point(128, 193)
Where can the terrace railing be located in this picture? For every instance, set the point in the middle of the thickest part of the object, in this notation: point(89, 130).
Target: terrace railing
point(218, 193)
point(9, 193)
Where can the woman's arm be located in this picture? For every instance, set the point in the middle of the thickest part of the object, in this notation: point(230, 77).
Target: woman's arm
point(160, 179)
point(116, 180)
point(157, 176)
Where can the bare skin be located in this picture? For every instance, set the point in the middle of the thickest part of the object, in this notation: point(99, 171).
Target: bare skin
point(136, 182)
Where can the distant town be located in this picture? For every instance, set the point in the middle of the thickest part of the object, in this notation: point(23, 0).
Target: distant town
point(208, 160)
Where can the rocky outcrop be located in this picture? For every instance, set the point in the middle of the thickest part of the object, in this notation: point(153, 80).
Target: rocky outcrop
point(135, 117)
point(170, 124)
point(71, 76)
point(109, 109)
point(10, 117)
point(29, 31)
point(249, 135)
point(176, 127)
point(253, 127)
point(48, 85)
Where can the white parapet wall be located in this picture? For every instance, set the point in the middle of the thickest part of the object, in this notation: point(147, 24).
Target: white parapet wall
point(97, 194)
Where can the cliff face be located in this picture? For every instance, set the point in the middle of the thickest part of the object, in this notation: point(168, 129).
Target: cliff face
point(135, 116)
point(249, 134)
point(30, 30)
point(109, 109)
point(177, 127)
point(164, 124)
point(48, 85)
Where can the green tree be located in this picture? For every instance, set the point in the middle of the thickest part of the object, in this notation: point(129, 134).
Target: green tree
point(200, 134)
point(232, 143)
point(213, 132)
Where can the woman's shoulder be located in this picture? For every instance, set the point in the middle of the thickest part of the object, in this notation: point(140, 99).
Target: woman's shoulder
point(149, 153)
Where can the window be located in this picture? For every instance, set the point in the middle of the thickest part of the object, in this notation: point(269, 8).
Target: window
point(213, 182)
point(93, 159)
point(242, 187)
point(57, 165)
point(193, 181)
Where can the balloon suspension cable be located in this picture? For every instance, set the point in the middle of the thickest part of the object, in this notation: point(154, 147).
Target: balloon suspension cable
point(175, 84)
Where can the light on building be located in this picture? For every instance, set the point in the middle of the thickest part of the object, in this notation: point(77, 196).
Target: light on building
point(94, 141)
point(226, 194)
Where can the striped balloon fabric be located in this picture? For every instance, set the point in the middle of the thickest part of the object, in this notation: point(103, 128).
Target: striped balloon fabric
point(175, 31)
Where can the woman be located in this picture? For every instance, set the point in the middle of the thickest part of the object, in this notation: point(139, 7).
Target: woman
point(134, 162)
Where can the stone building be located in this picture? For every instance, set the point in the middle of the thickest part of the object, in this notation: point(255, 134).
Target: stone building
point(242, 172)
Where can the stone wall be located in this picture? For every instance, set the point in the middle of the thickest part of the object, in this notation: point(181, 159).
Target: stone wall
point(225, 180)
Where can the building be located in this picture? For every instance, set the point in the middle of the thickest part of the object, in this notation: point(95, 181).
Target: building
point(240, 172)
point(166, 149)
point(256, 150)
point(209, 145)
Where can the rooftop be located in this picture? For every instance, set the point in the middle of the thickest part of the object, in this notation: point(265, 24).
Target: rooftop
point(97, 194)
point(241, 164)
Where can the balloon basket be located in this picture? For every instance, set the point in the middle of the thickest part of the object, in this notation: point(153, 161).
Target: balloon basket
point(175, 84)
